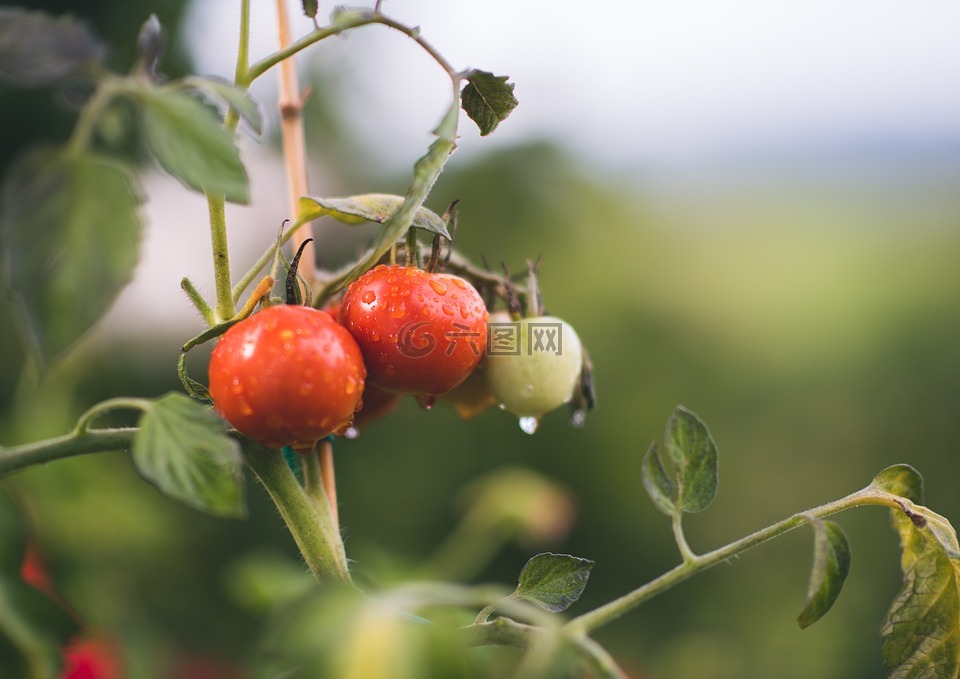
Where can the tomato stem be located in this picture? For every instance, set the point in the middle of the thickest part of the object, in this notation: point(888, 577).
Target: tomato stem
point(310, 522)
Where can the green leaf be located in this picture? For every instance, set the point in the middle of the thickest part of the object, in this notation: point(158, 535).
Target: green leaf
point(688, 443)
point(38, 49)
point(310, 8)
point(70, 233)
point(183, 449)
point(236, 97)
point(370, 207)
point(922, 629)
point(831, 564)
point(901, 480)
point(187, 139)
point(553, 581)
point(659, 487)
point(488, 99)
point(35, 626)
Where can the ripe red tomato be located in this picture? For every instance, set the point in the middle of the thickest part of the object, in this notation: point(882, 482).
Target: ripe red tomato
point(288, 375)
point(420, 332)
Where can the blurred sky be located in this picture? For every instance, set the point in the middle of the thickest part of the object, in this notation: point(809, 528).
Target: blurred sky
point(651, 83)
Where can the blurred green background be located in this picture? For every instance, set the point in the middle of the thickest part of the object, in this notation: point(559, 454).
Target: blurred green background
point(811, 318)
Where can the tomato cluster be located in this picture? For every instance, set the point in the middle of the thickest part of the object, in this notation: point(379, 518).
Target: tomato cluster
point(290, 375)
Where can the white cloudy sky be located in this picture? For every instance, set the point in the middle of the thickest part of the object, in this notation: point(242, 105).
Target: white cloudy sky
point(647, 81)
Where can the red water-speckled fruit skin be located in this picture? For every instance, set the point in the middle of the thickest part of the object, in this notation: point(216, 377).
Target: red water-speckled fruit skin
point(288, 375)
point(420, 332)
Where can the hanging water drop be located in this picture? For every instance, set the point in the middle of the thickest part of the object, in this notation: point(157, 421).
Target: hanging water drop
point(578, 418)
point(529, 424)
point(426, 401)
point(351, 433)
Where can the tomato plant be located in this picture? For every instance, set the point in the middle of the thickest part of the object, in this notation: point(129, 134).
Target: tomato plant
point(420, 332)
point(292, 375)
point(288, 375)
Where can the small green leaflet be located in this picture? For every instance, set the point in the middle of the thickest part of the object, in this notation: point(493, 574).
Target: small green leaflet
point(488, 99)
point(553, 581)
point(39, 49)
point(183, 449)
point(237, 97)
point(922, 629)
point(901, 480)
point(70, 233)
point(310, 8)
point(370, 207)
point(921, 633)
point(831, 564)
point(691, 483)
point(188, 141)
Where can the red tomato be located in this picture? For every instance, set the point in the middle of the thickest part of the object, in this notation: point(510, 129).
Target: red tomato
point(288, 375)
point(420, 333)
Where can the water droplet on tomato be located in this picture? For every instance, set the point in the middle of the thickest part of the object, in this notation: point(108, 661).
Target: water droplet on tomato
point(391, 369)
point(438, 287)
point(351, 387)
point(529, 424)
point(460, 283)
point(447, 309)
point(375, 336)
point(527, 390)
point(464, 313)
point(369, 297)
point(398, 311)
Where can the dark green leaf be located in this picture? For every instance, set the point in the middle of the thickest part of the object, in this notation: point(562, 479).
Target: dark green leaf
point(34, 626)
point(922, 628)
point(488, 99)
point(70, 234)
point(187, 139)
point(237, 97)
point(831, 563)
point(13, 536)
point(690, 447)
point(553, 581)
point(183, 449)
point(38, 49)
point(659, 487)
point(901, 480)
point(370, 207)
point(310, 8)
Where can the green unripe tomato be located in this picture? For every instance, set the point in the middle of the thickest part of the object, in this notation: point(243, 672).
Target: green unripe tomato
point(540, 372)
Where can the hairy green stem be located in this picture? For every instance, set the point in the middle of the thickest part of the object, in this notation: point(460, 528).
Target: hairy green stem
point(309, 522)
point(224, 308)
point(681, 539)
point(15, 458)
point(616, 608)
